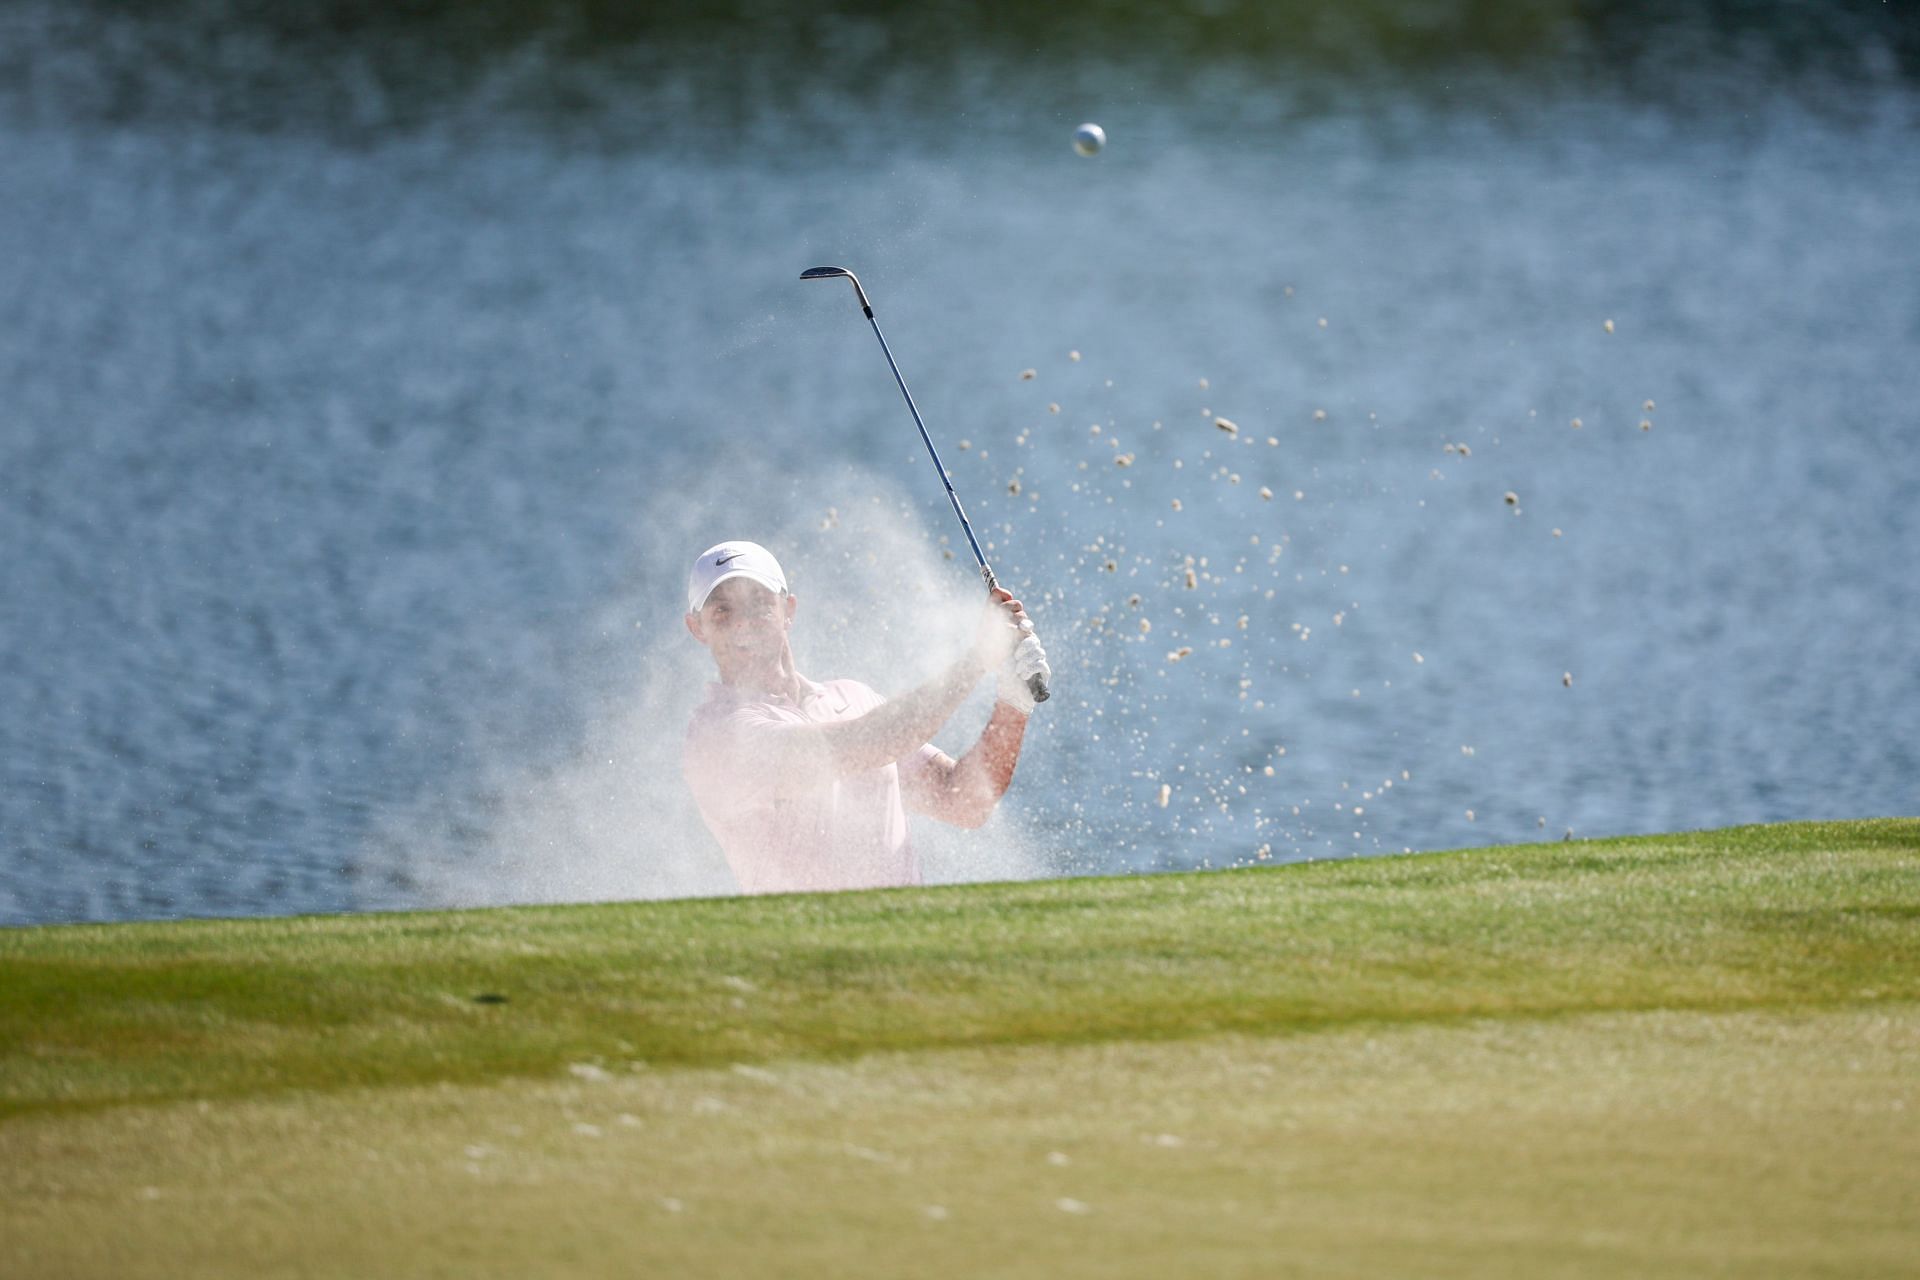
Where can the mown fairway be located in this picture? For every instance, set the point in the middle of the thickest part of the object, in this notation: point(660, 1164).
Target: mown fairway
point(1686, 1055)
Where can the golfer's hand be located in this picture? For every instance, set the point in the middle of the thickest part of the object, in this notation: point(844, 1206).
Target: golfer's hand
point(1014, 684)
point(1001, 627)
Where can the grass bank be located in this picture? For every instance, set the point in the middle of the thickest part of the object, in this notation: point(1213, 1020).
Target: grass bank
point(1681, 1053)
point(1763, 917)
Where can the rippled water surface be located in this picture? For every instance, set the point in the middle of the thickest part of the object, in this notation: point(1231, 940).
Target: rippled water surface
point(350, 464)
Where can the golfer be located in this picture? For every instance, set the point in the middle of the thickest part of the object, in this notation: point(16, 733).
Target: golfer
point(807, 786)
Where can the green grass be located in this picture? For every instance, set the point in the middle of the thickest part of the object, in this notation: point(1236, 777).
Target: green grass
point(1763, 917)
point(1443, 1063)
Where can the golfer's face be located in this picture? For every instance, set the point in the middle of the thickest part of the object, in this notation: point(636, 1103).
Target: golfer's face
point(743, 623)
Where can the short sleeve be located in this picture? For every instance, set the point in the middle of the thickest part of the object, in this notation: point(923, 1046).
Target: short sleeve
point(915, 765)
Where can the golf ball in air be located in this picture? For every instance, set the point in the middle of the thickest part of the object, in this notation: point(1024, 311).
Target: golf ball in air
point(1088, 139)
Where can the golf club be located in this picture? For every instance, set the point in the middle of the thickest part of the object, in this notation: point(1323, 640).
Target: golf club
point(1037, 685)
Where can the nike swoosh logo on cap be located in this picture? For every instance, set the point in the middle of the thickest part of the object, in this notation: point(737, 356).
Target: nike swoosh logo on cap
point(720, 560)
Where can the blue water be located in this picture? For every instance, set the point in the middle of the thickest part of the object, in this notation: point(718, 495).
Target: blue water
point(348, 475)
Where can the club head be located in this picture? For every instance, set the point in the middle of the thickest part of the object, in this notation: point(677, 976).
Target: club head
point(839, 273)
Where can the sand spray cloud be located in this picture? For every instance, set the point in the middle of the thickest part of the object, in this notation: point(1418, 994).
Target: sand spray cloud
point(608, 816)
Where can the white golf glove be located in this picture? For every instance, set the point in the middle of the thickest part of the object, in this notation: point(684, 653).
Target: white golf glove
point(1028, 660)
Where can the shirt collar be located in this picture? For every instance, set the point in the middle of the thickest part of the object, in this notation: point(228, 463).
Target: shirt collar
point(721, 692)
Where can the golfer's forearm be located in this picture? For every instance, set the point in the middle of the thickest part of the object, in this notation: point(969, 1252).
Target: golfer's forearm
point(903, 724)
point(983, 774)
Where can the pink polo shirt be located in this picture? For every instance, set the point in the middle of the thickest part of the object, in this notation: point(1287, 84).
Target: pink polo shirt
point(806, 830)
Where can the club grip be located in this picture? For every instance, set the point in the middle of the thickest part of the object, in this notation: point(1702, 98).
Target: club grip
point(1036, 683)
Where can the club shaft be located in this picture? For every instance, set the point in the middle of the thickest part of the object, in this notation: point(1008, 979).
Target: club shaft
point(1037, 682)
point(986, 570)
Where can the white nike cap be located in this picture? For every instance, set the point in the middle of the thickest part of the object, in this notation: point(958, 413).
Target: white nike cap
point(732, 560)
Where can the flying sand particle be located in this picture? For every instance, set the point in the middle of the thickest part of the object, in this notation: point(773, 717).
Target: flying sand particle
point(1166, 794)
point(1183, 651)
point(1266, 494)
point(1074, 356)
point(1512, 498)
point(1566, 679)
point(1028, 375)
point(1227, 425)
point(1608, 326)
